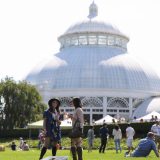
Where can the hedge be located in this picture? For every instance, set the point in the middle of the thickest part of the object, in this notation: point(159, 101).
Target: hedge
point(140, 128)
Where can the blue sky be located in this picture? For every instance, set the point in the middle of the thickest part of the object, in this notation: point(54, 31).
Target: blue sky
point(29, 29)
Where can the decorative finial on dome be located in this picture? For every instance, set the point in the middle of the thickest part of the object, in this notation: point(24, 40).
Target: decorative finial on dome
point(93, 10)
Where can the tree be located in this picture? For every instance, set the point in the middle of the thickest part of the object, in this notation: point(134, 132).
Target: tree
point(23, 103)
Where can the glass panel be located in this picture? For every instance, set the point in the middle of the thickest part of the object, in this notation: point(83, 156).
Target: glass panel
point(110, 40)
point(62, 46)
point(62, 43)
point(82, 40)
point(124, 44)
point(102, 39)
point(74, 41)
point(67, 43)
point(92, 39)
point(118, 41)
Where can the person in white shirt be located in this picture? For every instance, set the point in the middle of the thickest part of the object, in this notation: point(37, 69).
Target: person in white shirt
point(21, 142)
point(130, 132)
point(117, 133)
point(156, 130)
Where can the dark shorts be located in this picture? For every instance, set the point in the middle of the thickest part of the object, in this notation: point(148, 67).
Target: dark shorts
point(157, 138)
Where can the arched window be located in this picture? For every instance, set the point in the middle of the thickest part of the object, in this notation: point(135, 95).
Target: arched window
point(92, 101)
point(118, 103)
point(65, 101)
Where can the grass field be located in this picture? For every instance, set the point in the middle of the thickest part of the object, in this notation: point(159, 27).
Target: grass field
point(33, 154)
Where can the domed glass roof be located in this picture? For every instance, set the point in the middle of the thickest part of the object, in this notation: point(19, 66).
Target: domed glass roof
point(94, 55)
point(93, 33)
point(94, 26)
point(94, 67)
point(148, 106)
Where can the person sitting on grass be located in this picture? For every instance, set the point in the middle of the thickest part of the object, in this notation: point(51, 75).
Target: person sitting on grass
point(2, 148)
point(145, 146)
point(13, 146)
point(25, 146)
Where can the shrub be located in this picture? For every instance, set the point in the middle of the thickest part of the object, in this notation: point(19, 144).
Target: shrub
point(140, 128)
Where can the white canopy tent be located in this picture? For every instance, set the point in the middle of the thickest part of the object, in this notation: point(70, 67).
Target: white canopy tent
point(148, 117)
point(67, 123)
point(38, 124)
point(106, 119)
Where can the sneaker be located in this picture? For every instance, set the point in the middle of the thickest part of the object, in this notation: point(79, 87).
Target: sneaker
point(126, 154)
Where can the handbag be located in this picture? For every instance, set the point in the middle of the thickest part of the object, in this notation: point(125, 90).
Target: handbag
point(76, 131)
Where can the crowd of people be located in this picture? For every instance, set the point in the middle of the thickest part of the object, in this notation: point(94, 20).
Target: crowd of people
point(145, 146)
point(117, 136)
point(50, 135)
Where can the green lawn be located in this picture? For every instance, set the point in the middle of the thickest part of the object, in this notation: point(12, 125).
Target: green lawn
point(33, 154)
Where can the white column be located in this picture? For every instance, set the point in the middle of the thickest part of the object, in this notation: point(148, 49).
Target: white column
point(130, 108)
point(104, 106)
point(91, 116)
point(118, 116)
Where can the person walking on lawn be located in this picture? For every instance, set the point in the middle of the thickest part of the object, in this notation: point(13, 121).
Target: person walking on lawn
point(117, 133)
point(130, 132)
point(90, 137)
point(103, 132)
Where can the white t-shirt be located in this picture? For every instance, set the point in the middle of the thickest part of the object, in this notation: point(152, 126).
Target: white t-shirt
point(156, 129)
point(130, 132)
point(117, 134)
point(90, 134)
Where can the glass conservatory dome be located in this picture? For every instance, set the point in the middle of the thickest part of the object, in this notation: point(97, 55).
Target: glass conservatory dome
point(148, 106)
point(94, 55)
point(93, 64)
point(93, 33)
point(85, 67)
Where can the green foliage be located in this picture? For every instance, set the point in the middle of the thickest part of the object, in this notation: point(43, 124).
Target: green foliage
point(23, 103)
point(16, 133)
point(140, 128)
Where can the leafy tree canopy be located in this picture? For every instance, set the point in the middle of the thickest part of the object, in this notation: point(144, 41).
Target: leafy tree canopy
point(22, 103)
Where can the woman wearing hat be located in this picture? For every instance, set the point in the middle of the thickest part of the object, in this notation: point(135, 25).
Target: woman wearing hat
point(51, 126)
